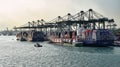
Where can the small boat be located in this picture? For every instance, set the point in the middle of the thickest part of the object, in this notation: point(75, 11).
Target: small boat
point(37, 45)
point(116, 43)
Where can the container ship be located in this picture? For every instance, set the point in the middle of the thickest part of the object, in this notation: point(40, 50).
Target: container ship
point(31, 36)
point(84, 37)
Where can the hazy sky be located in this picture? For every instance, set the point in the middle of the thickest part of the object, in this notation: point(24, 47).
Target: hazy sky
point(18, 12)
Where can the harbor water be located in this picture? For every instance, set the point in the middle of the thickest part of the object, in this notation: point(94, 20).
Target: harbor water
point(14, 53)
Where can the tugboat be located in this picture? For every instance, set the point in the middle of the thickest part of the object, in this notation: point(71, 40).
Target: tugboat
point(31, 36)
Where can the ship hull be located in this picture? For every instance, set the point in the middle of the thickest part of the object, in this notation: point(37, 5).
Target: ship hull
point(99, 43)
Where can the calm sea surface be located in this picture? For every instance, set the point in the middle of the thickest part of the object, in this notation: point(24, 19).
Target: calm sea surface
point(23, 54)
